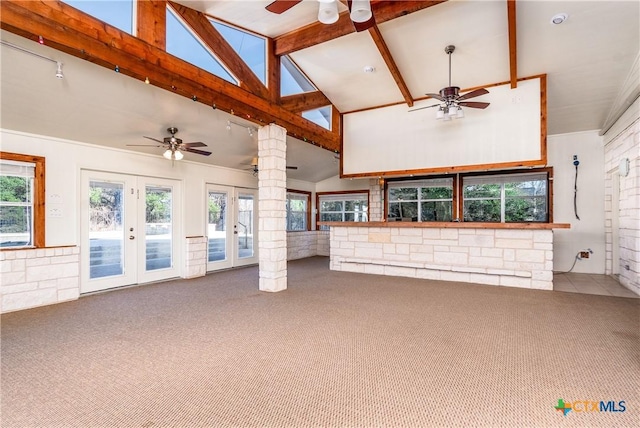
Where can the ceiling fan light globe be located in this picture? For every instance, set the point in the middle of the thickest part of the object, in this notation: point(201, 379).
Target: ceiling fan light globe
point(360, 11)
point(167, 154)
point(440, 114)
point(178, 155)
point(460, 113)
point(328, 12)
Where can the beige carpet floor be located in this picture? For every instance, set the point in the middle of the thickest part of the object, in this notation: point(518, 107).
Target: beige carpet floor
point(335, 349)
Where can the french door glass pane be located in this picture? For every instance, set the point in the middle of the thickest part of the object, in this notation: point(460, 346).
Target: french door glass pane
point(158, 227)
point(106, 231)
point(245, 226)
point(217, 226)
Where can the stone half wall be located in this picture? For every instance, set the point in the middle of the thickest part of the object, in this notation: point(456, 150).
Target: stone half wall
point(515, 258)
point(307, 244)
point(38, 277)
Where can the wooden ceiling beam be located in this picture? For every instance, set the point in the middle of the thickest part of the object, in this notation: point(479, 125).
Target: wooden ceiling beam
point(78, 34)
point(201, 25)
point(391, 64)
point(151, 22)
point(305, 101)
point(513, 48)
point(317, 32)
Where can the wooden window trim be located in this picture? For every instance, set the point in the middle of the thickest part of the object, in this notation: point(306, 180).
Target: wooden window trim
point(340, 192)
point(548, 170)
point(38, 195)
point(308, 213)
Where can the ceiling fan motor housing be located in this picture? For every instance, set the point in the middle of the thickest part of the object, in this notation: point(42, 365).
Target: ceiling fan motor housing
point(450, 92)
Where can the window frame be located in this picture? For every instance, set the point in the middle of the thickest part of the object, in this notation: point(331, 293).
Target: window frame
point(38, 238)
point(307, 211)
point(409, 180)
point(549, 196)
point(336, 193)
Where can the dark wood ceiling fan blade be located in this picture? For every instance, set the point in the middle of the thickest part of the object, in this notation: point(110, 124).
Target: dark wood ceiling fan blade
point(196, 151)
point(143, 145)
point(196, 144)
point(474, 104)
point(436, 96)
point(472, 94)
point(292, 167)
point(422, 108)
point(154, 139)
point(281, 6)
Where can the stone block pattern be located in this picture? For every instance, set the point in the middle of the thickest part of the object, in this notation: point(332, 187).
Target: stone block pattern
point(376, 202)
point(272, 193)
point(195, 257)
point(624, 145)
point(36, 277)
point(307, 244)
point(508, 257)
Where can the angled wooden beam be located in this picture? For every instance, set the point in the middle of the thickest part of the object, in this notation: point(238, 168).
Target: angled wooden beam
point(273, 72)
point(316, 33)
point(151, 22)
point(391, 64)
point(78, 34)
point(199, 23)
point(305, 101)
point(513, 48)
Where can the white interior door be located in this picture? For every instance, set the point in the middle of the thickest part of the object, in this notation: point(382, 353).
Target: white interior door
point(129, 230)
point(231, 227)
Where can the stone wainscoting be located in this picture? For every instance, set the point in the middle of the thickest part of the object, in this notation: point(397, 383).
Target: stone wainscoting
point(307, 244)
point(507, 257)
point(38, 277)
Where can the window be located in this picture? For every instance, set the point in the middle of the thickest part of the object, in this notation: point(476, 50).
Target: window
point(298, 210)
point(21, 200)
point(182, 43)
point(423, 200)
point(251, 48)
point(506, 198)
point(116, 13)
point(343, 207)
point(320, 116)
point(292, 80)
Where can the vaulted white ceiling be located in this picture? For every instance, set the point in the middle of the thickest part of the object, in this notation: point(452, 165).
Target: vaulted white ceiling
point(587, 60)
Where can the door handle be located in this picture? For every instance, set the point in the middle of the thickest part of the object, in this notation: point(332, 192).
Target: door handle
point(131, 237)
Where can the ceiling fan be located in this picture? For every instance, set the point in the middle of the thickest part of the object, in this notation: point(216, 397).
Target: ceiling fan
point(451, 100)
point(254, 167)
point(175, 146)
point(359, 11)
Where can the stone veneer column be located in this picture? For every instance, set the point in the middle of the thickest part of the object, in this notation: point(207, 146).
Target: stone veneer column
point(272, 216)
point(376, 207)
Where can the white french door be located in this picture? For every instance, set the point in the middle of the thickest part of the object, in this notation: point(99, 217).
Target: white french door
point(130, 233)
point(232, 227)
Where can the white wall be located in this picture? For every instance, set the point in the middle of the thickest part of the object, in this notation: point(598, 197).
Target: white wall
point(65, 159)
point(623, 141)
point(588, 232)
point(394, 139)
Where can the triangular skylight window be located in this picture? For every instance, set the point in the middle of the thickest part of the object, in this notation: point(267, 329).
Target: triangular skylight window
point(182, 43)
point(320, 116)
point(251, 48)
point(116, 13)
point(292, 80)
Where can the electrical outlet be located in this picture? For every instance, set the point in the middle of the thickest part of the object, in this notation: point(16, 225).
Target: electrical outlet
point(584, 254)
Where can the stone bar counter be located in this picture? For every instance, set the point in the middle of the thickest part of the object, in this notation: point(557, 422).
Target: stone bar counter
point(506, 254)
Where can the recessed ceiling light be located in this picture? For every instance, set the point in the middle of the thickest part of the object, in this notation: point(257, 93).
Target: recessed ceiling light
point(559, 18)
point(369, 69)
